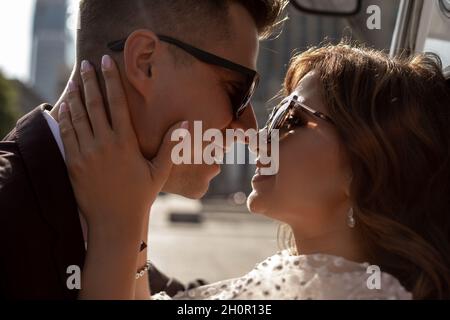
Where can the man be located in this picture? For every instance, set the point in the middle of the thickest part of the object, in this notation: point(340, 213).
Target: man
point(166, 79)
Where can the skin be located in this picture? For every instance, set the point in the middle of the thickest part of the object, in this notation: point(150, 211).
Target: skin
point(311, 190)
point(199, 88)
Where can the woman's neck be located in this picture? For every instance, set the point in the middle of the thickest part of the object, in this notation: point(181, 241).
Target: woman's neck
point(330, 236)
point(341, 243)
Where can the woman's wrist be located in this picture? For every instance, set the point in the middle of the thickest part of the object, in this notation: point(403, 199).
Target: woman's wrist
point(123, 230)
point(112, 239)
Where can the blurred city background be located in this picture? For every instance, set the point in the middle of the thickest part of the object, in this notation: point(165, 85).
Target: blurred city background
point(215, 238)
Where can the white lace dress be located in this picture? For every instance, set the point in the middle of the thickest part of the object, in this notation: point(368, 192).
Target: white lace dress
point(287, 277)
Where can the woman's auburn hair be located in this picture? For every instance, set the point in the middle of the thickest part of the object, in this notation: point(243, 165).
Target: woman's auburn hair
point(392, 118)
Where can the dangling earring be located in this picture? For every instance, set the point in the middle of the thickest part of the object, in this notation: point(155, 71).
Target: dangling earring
point(350, 219)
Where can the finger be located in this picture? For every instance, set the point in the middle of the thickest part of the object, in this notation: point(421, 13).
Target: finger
point(117, 100)
point(78, 115)
point(94, 100)
point(162, 164)
point(68, 135)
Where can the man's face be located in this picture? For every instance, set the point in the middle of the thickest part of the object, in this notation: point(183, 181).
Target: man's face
point(195, 92)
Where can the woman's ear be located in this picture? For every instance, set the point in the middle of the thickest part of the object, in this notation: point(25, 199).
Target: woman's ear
point(139, 59)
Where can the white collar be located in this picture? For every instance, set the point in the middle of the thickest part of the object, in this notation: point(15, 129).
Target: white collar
point(54, 127)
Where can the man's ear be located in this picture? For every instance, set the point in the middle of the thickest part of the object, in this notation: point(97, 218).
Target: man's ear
point(139, 59)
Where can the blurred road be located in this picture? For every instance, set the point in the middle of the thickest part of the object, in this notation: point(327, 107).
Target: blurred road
point(224, 245)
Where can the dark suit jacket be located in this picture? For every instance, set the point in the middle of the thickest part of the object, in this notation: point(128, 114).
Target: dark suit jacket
point(40, 230)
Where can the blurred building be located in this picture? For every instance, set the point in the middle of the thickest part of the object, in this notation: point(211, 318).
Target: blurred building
point(48, 63)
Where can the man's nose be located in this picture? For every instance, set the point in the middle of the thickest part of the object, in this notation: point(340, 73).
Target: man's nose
point(246, 121)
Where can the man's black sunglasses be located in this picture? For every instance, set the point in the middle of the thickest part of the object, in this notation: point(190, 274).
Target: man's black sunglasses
point(240, 99)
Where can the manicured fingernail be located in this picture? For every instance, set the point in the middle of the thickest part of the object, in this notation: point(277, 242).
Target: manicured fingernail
point(72, 86)
point(185, 127)
point(85, 66)
point(63, 108)
point(106, 62)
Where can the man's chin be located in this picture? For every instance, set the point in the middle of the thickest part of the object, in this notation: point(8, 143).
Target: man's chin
point(193, 195)
point(191, 182)
point(190, 192)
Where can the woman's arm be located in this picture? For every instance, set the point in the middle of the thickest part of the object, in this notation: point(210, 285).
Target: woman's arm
point(113, 183)
point(110, 267)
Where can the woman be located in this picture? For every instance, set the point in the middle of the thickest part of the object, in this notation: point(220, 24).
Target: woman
point(363, 183)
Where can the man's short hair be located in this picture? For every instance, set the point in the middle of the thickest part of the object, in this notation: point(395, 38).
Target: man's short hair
point(102, 21)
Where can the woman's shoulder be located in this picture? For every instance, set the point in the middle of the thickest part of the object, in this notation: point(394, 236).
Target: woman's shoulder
point(303, 277)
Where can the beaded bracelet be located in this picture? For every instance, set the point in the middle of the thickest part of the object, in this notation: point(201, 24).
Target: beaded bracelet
point(143, 271)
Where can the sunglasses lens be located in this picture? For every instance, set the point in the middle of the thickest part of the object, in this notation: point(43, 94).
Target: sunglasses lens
point(278, 116)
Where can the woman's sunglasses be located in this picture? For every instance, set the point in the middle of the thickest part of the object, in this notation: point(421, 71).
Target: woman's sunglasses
point(241, 96)
point(288, 115)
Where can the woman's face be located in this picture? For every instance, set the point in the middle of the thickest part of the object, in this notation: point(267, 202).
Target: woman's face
point(312, 182)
